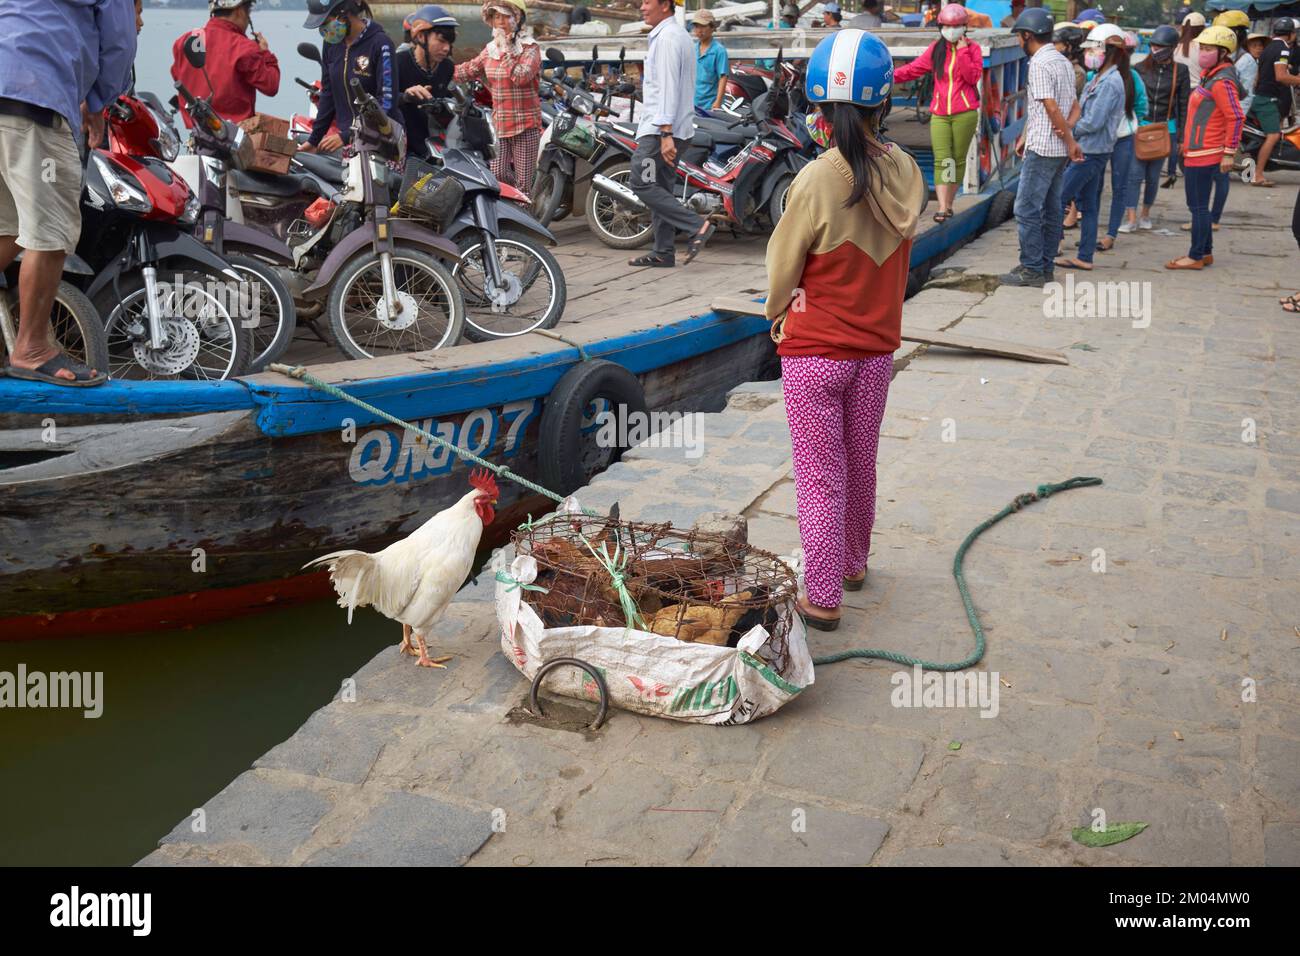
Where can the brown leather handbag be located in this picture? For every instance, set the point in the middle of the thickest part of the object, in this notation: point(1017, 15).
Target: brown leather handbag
point(1151, 140)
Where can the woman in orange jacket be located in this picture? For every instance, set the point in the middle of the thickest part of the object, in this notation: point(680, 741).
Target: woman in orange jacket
point(837, 267)
point(1214, 118)
point(957, 63)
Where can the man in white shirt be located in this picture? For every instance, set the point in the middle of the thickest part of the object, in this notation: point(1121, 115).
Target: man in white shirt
point(667, 125)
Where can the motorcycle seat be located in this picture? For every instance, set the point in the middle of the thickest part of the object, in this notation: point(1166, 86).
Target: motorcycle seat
point(702, 139)
point(327, 168)
point(273, 184)
point(730, 137)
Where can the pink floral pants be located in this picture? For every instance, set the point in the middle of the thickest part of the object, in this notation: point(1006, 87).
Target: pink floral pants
point(835, 409)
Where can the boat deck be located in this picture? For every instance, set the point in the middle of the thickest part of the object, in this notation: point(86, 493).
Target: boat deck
point(601, 284)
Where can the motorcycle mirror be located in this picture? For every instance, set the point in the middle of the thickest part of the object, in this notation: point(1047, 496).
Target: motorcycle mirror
point(555, 55)
point(626, 89)
point(194, 50)
point(309, 51)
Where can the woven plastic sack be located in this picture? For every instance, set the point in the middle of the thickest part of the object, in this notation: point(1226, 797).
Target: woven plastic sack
point(649, 673)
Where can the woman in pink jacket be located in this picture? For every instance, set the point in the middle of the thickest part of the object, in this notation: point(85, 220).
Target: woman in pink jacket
point(957, 63)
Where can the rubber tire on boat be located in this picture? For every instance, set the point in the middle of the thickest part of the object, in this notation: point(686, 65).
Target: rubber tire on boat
point(268, 349)
point(777, 200)
point(614, 242)
point(535, 248)
point(91, 345)
point(364, 260)
point(560, 440)
point(1001, 208)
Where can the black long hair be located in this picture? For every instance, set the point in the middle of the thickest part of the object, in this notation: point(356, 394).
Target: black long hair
point(940, 55)
point(1118, 57)
point(861, 149)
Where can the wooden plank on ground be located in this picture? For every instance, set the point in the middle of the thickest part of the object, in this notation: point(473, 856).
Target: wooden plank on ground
point(948, 340)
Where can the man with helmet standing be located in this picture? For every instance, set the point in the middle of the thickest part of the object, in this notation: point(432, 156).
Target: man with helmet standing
point(239, 67)
point(510, 66)
point(1273, 92)
point(1047, 144)
point(1214, 120)
point(354, 48)
point(837, 274)
point(667, 124)
point(424, 69)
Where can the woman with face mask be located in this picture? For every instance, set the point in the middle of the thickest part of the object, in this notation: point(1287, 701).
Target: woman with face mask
point(1122, 198)
point(1168, 86)
point(510, 66)
point(1214, 119)
point(1106, 100)
point(957, 63)
point(354, 48)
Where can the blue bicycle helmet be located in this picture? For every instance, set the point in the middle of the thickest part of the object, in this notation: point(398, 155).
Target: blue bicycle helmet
point(852, 66)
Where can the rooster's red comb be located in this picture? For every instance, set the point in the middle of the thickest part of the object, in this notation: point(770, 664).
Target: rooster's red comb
point(483, 480)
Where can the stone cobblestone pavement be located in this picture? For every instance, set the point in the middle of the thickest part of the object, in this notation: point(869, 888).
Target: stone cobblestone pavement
point(1127, 690)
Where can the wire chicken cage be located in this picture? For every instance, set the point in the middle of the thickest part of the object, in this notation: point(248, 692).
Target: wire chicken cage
point(691, 585)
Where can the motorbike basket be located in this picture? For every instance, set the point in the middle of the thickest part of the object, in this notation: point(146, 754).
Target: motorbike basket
point(577, 139)
point(427, 193)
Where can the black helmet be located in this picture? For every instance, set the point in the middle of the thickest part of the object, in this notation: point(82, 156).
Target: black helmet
point(1035, 20)
point(1164, 36)
point(1283, 26)
point(318, 11)
point(1069, 35)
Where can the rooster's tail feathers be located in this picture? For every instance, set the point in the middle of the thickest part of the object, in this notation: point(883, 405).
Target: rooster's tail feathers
point(349, 573)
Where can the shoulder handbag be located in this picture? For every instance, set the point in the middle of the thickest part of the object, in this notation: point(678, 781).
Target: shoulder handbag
point(1151, 141)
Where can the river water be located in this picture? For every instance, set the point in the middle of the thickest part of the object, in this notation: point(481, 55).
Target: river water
point(184, 711)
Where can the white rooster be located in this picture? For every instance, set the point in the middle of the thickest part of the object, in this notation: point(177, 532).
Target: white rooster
point(414, 579)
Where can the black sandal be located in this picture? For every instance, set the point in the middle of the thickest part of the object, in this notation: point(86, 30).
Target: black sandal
point(83, 377)
point(697, 242)
point(653, 259)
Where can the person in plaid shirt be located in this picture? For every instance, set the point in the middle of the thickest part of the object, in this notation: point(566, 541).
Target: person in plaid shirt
point(510, 66)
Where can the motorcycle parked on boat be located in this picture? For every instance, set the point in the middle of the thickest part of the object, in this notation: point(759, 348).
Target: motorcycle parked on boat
point(170, 305)
point(511, 282)
point(269, 311)
point(747, 192)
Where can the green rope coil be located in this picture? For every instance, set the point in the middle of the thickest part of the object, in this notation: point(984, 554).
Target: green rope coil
point(1019, 502)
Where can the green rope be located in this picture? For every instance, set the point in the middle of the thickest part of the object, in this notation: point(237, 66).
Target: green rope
point(1029, 497)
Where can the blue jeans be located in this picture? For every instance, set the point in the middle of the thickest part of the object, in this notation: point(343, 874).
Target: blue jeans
point(1174, 159)
point(1221, 183)
point(1122, 196)
point(1145, 181)
point(1038, 210)
point(1082, 186)
point(1197, 181)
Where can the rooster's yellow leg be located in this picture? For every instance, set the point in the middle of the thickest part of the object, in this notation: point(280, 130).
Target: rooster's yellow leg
point(406, 647)
point(425, 660)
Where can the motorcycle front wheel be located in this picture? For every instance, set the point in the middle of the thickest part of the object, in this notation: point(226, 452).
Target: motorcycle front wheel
point(199, 312)
point(266, 308)
point(548, 198)
point(429, 313)
point(535, 291)
point(617, 225)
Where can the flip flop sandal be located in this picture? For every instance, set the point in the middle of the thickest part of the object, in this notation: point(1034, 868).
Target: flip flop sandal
point(658, 262)
point(1074, 264)
point(1293, 299)
point(855, 584)
point(817, 623)
point(1264, 183)
point(1293, 307)
point(1101, 248)
point(697, 242)
point(82, 376)
point(943, 216)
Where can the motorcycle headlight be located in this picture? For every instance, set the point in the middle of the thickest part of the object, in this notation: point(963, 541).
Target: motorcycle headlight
point(123, 189)
point(167, 143)
point(192, 209)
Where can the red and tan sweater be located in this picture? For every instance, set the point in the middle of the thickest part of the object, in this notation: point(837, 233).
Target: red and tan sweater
point(836, 277)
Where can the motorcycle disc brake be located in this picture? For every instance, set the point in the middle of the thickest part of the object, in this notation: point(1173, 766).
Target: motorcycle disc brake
point(179, 354)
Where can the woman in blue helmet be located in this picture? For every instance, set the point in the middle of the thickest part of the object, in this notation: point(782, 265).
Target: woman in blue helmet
point(837, 267)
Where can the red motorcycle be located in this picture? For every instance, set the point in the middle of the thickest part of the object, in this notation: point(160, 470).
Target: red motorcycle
point(171, 306)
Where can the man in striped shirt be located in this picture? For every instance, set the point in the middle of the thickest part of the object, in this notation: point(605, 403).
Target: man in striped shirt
point(1046, 144)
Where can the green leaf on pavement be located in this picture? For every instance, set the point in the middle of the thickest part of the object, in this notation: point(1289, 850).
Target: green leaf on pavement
point(955, 745)
point(1115, 833)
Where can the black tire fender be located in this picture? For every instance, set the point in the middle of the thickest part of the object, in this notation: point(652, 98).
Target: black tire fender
point(560, 443)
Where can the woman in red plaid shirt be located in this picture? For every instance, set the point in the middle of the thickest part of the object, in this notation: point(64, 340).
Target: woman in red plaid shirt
point(510, 67)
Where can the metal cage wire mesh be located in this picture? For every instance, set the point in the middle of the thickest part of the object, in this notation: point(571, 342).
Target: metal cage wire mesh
point(695, 586)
